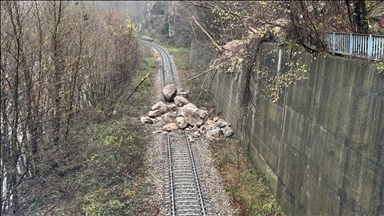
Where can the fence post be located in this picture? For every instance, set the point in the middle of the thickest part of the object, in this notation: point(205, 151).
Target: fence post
point(370, 46)
point(350, 44)
point(333, 42)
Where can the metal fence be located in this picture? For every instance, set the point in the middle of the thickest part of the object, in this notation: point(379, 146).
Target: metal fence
point(370, 47)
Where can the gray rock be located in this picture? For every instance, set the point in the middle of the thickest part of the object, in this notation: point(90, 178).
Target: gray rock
point(215, 134)
point(202, 113)
point(190, 105)
point(146, 119)
point(158, 105)
point(227, 131)
point(210, 124)
point(221, 123)
point(181, 123)
point(169, 92)
point(194, 129)
point(171, 108)
point(170, 127)
point(203, 129)
point(154, 113)
point(168, 118)
point(180, 101)
point(196, 134)
point(191, 116)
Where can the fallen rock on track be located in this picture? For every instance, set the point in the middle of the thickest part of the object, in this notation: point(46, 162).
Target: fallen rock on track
point(183, 115)
point(170, 127)
point(146, 119)
point(169, 92)
point(181, 101)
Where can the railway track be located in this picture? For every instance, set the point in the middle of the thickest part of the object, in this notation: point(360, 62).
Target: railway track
point(182, 187)
point(167, 70)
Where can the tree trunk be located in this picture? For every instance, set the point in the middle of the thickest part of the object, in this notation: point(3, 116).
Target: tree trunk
point(360, 14)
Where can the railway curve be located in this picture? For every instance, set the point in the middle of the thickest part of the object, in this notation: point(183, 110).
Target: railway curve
point(190, 185)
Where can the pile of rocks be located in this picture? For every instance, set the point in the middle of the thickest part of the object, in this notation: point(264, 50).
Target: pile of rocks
point(180, 114)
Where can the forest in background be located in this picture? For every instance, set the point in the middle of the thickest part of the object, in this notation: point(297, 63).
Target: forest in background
point(64, 66)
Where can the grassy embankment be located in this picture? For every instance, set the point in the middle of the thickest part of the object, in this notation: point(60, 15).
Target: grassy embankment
point(248, 188)
point(110, 174)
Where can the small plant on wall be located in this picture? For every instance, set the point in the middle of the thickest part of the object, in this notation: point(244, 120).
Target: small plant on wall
point(380, 67)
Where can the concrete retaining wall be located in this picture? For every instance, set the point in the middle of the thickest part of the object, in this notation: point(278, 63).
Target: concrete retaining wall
point(322, 145)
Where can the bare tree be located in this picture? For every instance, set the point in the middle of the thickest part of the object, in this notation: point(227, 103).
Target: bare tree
point(59, 59)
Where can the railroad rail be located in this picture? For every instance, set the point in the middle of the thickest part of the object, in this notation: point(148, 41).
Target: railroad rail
point(182, 184)
point(168, 74)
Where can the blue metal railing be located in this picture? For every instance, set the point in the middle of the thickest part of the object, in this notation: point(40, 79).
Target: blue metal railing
point(370, 47)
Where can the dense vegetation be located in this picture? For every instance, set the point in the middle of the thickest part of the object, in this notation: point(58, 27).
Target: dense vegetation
point(68, 143)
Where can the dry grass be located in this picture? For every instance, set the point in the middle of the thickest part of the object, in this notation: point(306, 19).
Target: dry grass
point(247, 187)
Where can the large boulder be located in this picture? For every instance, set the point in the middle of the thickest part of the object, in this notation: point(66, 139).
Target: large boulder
point(181, 101)
point(154, 113)
point(158, 109)
point(221, 123)
point(190, 105)
point(215, 134)
point(191, 116)
point(172, 108)
point(210, 124)
point(168, 118)
point(170, 127)
point(146, 119)
point(169, 92)
point(181, 123)
point(159, 105)
point(227, 131)
point(202, 113)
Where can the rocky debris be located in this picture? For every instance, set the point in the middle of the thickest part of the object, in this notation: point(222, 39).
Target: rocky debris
point(169, 92)
point(221, 123)
point(154, 113)
point(181, 122)
point(227, 131)
point(168, 118)
point(202, 113)
point(215, 134)
point(181, 101)
point(190, 105)
point(158, 109)
point(158, 105)
point(170, 127)
point(192, 116)
point(172, 108)
point(146, 119)
point(183, 115)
